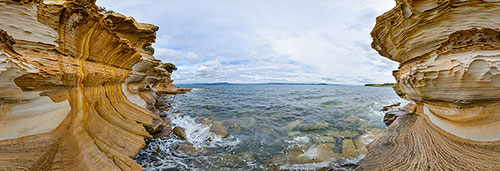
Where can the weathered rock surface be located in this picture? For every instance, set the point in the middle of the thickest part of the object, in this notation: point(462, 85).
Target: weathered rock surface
point(180, 132)
point(74, 87)
point(449, 55)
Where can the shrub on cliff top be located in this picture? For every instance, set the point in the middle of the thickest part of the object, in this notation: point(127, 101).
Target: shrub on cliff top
point(103, 9)
point(170, 67)
point(149, 49)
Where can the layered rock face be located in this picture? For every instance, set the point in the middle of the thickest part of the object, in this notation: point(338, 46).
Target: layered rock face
point(449, 55)
point(74, 86)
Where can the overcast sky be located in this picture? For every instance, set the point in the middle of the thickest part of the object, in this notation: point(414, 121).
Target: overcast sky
point(256, 41)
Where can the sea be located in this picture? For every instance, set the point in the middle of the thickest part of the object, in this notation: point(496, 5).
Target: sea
point(269, 127)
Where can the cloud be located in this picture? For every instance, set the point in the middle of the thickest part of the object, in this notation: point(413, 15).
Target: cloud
point(265, 40)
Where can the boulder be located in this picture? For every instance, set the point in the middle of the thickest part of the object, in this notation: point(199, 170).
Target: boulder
point(166, 131)
point(180, 132)
point(216, 127)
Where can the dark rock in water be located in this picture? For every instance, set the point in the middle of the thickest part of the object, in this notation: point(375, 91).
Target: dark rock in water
point(394, 112)
point(163, 114)
point(389, 107)
point(389, 118)
point(158, 125)
point(180, 132)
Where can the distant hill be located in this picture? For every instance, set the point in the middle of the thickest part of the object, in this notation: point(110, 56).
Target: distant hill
point(381, 85)
point(226, 83)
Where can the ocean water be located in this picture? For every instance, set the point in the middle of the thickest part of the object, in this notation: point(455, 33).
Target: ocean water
point(267, 125)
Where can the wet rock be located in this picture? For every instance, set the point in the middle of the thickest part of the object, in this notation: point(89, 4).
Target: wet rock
point(393, 113)
point(349, 149)
point(389, 107)
point(314, 126)
point(216, 127)
point(157, 126)
point(292, 125)
point(173, 90)
point(180, 132)
point(163, 114)
point(389, 118)
point(188, 149)
point(362, 141)
point(166, 131)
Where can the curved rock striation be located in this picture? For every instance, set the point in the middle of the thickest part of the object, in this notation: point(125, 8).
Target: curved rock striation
point(449, 55)
point(74, 86)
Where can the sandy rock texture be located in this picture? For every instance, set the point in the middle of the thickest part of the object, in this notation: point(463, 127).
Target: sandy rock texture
point(449, 55)
point(74, 86)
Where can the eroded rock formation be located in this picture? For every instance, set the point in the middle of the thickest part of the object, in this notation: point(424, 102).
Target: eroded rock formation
point(449, 55)
point(74, 86)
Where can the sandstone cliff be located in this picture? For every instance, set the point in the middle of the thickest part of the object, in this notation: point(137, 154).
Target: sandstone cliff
point(74, 86)
point(449, 55)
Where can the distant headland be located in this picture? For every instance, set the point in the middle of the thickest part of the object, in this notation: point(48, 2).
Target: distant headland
point(381, 85)
point(275, 83)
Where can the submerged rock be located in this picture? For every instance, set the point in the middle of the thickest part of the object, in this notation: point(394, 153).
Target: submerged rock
point(297, 156)
point(344, 134)
point(234, 161)
point(349, 149)
point(292, 125)
point(188, 149)
point(314, 126)
point(216, 127)
point(363, 140)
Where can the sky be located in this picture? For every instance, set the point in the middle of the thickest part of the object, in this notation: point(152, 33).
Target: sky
point(259, 41)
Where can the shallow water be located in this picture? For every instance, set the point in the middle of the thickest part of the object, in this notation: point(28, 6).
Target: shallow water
point(265, 122)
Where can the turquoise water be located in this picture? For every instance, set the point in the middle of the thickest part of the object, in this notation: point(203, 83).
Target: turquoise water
point(256, 119)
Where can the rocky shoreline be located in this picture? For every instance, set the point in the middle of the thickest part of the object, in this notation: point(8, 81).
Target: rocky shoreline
point(75, 88)
point(449, 60)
